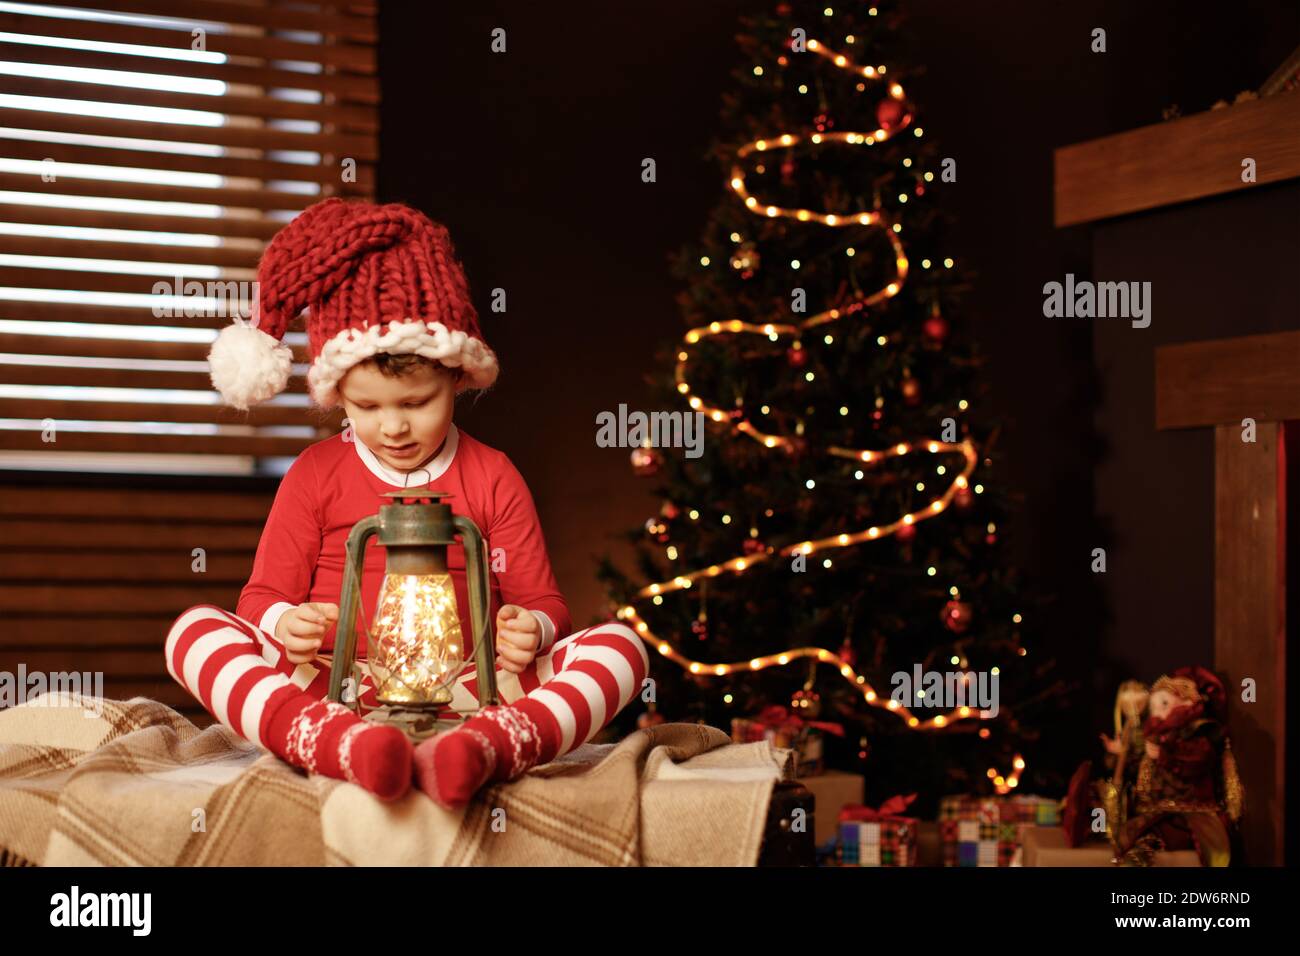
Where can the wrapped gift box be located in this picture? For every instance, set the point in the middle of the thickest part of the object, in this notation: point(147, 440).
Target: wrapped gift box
point(873, 836)
point(877, 843)
point(889, 841)
point(990, 831)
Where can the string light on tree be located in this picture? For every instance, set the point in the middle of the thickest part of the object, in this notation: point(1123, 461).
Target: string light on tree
point(946, 467)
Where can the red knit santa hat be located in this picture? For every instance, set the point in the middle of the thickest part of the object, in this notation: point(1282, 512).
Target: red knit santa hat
point(373, 279)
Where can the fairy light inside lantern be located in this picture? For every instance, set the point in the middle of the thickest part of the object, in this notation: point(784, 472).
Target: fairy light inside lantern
point(415, 645)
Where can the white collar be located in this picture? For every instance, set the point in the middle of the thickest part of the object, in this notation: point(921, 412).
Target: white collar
point(421, 476)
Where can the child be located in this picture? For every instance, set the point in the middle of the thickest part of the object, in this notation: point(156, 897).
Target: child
point(393, 338)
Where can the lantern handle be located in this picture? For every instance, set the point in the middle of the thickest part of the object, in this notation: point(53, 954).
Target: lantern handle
point(477, 584)
point(345, 636)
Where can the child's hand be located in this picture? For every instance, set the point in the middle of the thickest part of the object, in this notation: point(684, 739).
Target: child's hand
point(519, 634)
point(1112, 745)
point(1153, 751)
point(302, 629)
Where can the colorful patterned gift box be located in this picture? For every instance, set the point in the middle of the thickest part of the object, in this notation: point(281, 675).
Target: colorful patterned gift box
point(877, 836)
point(789, 731)
point(988, 831)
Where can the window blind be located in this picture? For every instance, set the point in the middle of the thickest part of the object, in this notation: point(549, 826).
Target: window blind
point(148, 150)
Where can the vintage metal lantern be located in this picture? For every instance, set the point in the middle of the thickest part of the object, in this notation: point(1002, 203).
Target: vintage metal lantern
point(415, 646)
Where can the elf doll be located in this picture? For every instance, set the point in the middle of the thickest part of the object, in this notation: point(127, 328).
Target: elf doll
point(393, 339)
point(1187, 792)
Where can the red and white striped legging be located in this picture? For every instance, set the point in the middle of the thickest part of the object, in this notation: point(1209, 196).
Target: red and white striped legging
point(235, 669)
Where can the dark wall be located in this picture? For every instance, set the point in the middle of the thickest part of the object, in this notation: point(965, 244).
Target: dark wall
point(532, 161)
point(1221, 267)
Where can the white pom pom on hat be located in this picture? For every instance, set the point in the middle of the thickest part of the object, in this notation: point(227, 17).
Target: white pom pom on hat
point(248, 366)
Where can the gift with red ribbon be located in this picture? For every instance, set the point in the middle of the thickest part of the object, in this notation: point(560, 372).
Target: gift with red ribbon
point(777, 716)
point(877, 836)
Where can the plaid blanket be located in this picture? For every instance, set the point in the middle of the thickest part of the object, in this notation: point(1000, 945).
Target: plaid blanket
point(134, 783)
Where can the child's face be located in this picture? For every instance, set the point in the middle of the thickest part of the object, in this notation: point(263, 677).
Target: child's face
point(403, 420)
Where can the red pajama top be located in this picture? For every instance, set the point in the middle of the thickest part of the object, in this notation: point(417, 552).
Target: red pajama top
point(334, 483)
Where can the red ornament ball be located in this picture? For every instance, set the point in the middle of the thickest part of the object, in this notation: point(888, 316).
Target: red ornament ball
point(905, 532)
point(783, 9)
point(753, 546)
point(797, 357)
point(890, 114)
point(669, 510)
point(956, 616)
point(911, 390)
point(963, 498)
point(935, 328)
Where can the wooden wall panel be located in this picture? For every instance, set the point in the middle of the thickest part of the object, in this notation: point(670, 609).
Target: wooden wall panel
point(92, 576)
point(1183, 159)
point(1250, 622)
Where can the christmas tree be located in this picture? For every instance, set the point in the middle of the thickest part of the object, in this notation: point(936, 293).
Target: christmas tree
point(841, 528)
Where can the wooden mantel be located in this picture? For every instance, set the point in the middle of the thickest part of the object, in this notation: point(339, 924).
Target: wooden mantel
point(1217, 384)
point(1176, 161)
